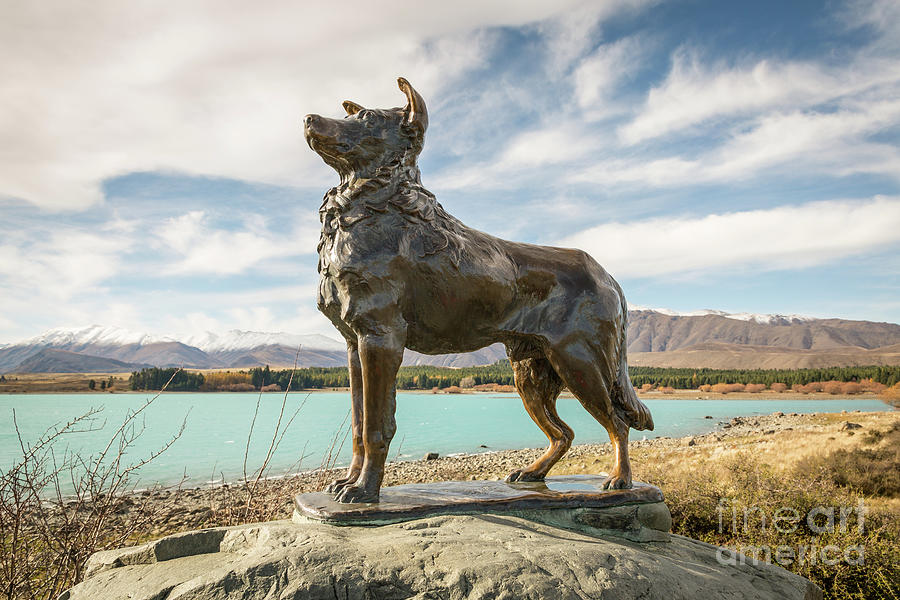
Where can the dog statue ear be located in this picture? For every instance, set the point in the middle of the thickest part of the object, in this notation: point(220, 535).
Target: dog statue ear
point(351, 107)
point(417, 114)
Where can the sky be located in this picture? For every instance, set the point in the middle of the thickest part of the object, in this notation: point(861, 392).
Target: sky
point(742, 157)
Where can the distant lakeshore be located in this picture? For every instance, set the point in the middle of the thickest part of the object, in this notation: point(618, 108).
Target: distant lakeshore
point(689, 394)
point(861, 381)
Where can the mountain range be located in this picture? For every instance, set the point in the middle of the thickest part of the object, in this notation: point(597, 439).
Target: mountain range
point(656, 337)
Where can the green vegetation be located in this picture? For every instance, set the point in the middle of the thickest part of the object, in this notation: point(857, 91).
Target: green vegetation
point(409, 378)
point(747, 505)
point(426, 378)
point(155, 378)
point(694, 378)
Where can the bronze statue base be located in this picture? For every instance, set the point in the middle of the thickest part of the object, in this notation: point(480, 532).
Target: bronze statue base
point(572, 501)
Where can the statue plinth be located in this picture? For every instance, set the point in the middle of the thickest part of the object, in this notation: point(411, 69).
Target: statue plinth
point(573, 501)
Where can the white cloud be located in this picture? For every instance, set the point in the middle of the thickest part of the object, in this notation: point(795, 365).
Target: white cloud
point(572, 33)
point(60, 262)
point(596, 78)
point(59, 277)
point(883, 16)
point(201, 248)
point(548, 146)
point(93, 91)
point(272, 308)
point(836, 143)
point(113, 273)
point(695, 92)
point(784, 237)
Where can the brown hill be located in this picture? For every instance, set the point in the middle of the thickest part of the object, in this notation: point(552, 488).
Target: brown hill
point(741, 356)
point(650, 331)
point(51, 360)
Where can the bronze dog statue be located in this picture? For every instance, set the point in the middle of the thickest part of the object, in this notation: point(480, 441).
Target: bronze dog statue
point(397, 271)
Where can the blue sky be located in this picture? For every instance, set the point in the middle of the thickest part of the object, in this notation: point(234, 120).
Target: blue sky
point(735, 156)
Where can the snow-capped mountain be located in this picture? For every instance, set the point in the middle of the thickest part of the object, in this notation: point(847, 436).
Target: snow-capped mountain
point(649, 331)
point(94, 334)
point(762, 319)
point(234, 348)
point(237, 339)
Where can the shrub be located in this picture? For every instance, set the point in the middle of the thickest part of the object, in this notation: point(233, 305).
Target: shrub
point(891, 394)
point(727, 388)
point(871, 471)
point(743, 482)
point(850, 388)
point(453, 389)
point(869, 385)
point(874, 436)
point(46, 534)
point(667, 390)
point(236, 387)
point(705, 388)
point(833, 387)
point(778, 387)
point(216, 380)
point(754, 388)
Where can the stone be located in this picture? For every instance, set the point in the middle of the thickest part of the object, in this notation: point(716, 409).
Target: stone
point(416, 500)
point(452, 556)
point(847, 426)
point(431, 456)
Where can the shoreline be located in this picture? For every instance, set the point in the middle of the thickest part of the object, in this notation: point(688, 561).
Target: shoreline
point(679, 394)
point(719, 428)
point(213, 504)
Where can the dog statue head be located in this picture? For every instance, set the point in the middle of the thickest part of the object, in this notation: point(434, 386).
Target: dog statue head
point(368, 139)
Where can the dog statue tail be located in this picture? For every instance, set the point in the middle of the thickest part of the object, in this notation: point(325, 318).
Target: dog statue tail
point(625, 400)
point(627, 403)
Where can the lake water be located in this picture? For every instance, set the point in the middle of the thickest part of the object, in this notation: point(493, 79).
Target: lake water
point(215, 435)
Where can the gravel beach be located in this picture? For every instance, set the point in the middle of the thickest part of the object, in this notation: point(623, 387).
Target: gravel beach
point(185, 509)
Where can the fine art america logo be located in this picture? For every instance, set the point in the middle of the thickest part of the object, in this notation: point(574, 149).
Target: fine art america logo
point(820, 521)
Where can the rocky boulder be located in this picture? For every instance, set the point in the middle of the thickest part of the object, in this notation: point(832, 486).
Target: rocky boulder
point(480, 556)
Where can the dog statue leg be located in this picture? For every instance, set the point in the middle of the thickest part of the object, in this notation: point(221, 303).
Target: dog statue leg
point(620, 475)
point(356, 415)
point(380, 356)
point(539, 386)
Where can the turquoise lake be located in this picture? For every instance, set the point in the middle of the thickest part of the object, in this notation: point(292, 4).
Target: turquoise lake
point(215, 436)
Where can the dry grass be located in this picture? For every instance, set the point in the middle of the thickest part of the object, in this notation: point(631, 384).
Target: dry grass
point(814, 464)
point(54, 383)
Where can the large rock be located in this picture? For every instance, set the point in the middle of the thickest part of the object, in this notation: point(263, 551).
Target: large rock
point(487, 556)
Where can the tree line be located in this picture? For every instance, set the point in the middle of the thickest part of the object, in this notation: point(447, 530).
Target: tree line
point(155, 378)
point(427, 377)
point(685, 378)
